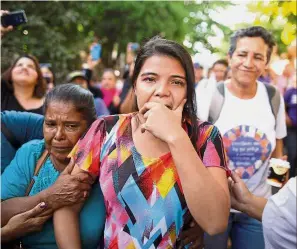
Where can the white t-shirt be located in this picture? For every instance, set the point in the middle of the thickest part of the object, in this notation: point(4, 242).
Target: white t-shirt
point(279, 218)
point(204, 91)
point(249, 135)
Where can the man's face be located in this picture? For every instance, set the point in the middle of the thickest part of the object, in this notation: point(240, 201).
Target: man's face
point(249, 60)
point(219, 71)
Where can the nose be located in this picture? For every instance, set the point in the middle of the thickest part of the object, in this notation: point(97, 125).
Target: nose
point(249, 61)
point(59, 135)
point(162, 90)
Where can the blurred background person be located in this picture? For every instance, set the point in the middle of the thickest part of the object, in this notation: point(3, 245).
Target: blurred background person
point(22, 86)
point(48, 76)
point(290, 140)
point(111, 95)
point(198, 70)
point(203, 90)
point(79, 77)
point(219, 70)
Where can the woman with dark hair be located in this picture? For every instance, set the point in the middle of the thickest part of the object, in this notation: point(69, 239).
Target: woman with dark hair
point(154, 165)
point(23, 87)
point(69, 111)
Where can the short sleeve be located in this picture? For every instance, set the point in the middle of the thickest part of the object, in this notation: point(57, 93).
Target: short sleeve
point(281, 129)
point(86, 152)
point(18, 174)
point(211, 148)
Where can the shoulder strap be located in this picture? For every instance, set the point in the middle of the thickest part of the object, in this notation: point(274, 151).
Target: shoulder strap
point(217, 102)
point(9, 136)
point(39, 163)
point(274, 99)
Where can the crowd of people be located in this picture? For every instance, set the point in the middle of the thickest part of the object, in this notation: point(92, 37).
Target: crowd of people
point(168, 156)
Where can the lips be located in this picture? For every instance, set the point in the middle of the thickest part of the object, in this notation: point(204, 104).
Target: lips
point(61, 148)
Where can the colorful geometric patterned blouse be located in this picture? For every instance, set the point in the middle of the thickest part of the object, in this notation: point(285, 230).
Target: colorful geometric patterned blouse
point(144, 201)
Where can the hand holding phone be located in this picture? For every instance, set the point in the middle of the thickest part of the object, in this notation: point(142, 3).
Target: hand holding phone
point(95, 51)
point(14, 18)
point(4, 29)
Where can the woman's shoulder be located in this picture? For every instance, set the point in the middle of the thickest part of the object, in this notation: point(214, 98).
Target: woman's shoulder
point(205, 126)
point(33, 147)
point(207, 131)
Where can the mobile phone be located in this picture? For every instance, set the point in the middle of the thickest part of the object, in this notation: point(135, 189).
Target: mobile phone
point(14, 18)
point(96, 52)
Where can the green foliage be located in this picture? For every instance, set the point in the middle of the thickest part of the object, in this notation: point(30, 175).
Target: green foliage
point(58, 30)
point(204, 26)
point(279, 17)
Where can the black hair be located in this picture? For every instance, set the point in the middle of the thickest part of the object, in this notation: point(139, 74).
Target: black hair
point(81, 98)
point(160, 46)
point(222, 62)
point(254, 31)
point(40, 88)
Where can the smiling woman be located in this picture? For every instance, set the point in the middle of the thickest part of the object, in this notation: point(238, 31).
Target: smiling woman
point(22, 86)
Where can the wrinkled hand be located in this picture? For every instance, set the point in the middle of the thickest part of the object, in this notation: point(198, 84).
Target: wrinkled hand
point(5, 29)
point(240, 195)
point(24, 223)
point(69, 189)
point(193, 236)
point(162, 122)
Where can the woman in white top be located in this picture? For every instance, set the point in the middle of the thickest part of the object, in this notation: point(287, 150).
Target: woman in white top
point(278, 213)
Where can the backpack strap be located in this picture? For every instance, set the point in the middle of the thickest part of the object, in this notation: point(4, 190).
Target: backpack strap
point(10, 136)
point(39, 163)
point(217, 102)
point(274, 99)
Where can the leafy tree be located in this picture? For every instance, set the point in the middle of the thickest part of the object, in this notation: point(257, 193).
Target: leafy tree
point(57, 30)
point(279, 17)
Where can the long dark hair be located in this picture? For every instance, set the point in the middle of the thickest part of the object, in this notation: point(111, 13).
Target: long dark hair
point(81, 98)
point(40, 88)
point(160, 46)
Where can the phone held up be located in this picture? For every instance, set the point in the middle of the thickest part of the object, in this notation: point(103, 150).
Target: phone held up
point(14, 18)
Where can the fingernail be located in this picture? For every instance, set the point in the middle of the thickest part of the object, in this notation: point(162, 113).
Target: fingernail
point(42, 205)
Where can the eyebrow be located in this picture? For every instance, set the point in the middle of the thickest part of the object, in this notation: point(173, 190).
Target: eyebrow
point(149, 73)
point(65, 122)
point(172, 76)
point(245, 52)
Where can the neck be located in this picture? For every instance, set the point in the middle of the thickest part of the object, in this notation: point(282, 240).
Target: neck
point(23, 92)
point(59, 165)
point(240, 90)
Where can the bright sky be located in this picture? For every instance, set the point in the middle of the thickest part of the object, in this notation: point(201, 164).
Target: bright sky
point(229, 17)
